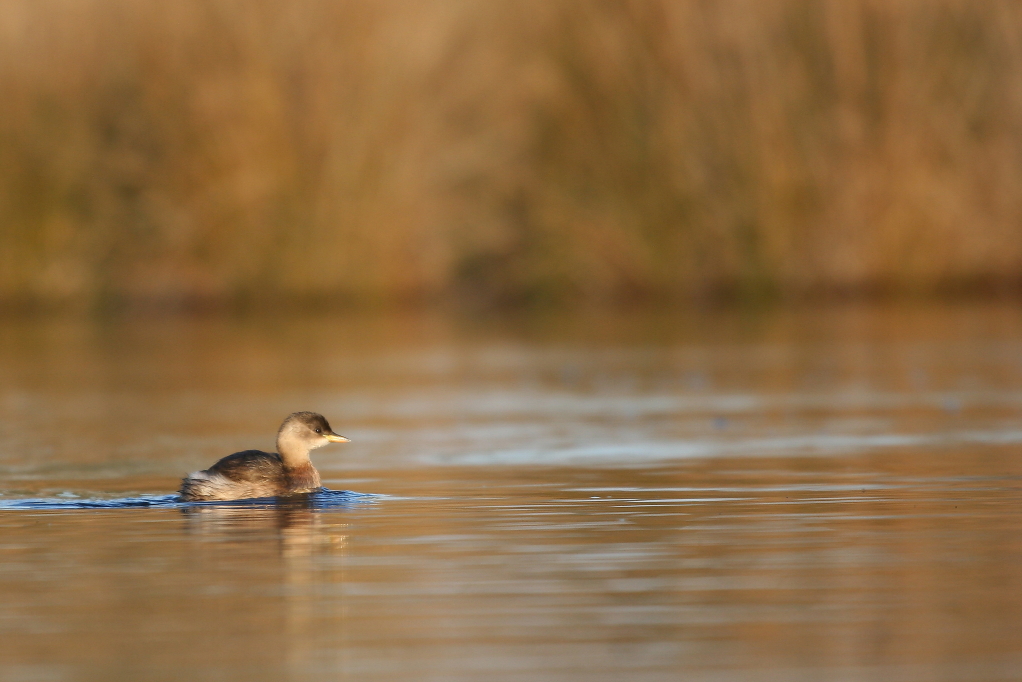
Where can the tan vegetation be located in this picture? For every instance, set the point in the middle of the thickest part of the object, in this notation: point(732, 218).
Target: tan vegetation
point(233, 151)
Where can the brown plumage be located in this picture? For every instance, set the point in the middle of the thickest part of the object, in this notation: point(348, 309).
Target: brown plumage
point(254, 473)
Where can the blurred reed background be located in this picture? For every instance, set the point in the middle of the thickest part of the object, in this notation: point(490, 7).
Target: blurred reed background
point(373, 153)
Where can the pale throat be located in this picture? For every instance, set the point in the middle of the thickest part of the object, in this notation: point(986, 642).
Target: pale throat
point(293, 450)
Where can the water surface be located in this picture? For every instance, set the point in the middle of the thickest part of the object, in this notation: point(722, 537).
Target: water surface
point(808, 495)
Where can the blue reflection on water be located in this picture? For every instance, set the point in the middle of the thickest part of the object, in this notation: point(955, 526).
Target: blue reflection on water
point(322, 499)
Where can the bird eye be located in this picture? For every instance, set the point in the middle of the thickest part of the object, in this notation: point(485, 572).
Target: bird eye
point(319, 430)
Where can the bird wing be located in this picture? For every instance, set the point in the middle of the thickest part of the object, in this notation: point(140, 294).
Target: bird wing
point(250, 465)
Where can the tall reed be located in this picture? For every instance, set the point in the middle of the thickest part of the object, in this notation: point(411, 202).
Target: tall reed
point(515, 151)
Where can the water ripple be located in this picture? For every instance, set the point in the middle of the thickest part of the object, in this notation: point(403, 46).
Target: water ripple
point(323, 499)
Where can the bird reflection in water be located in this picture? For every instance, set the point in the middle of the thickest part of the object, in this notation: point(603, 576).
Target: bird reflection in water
point(300, 548)
point(301, 526)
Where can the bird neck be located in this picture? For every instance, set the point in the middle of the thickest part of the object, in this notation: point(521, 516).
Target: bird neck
point(293, 451)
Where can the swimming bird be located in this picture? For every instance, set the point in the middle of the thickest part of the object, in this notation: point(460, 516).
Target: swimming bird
point(254, 473)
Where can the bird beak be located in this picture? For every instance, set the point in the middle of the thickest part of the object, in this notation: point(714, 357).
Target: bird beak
point(334, 438)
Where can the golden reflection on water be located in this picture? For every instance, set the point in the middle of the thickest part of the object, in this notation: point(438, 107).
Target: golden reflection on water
point(832, 495)
point(842, 568)
point(304, 539)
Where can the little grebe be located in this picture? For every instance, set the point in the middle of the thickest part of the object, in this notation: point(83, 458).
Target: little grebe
point(254, 473)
